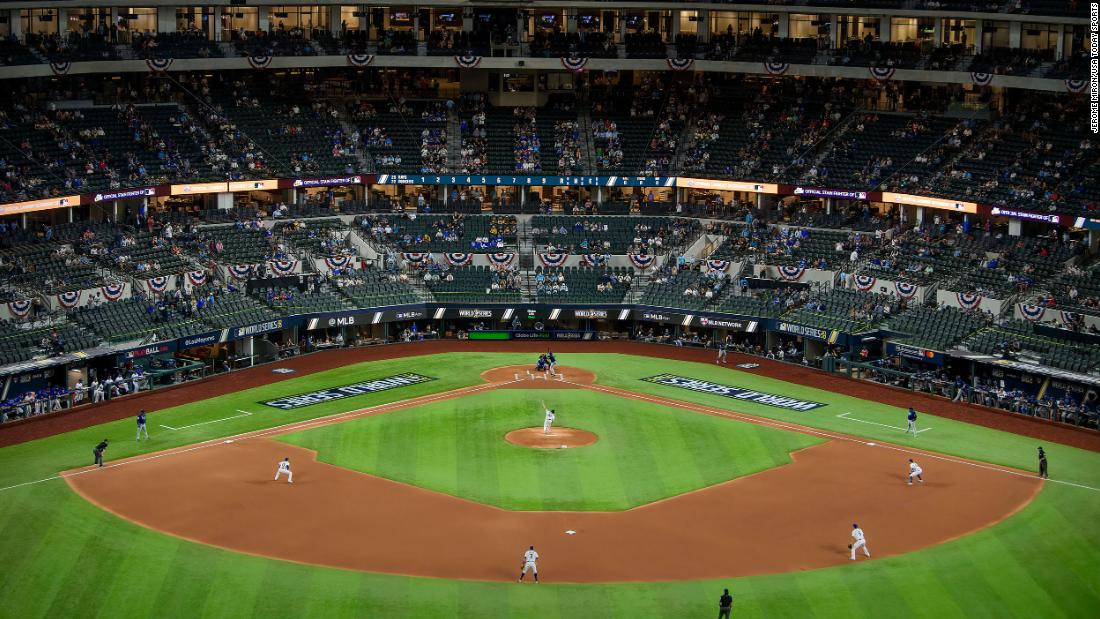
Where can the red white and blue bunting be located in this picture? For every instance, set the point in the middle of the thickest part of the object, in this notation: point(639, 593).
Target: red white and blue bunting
point(60, 67)
point(157, 285)
point(69, 300)
point(575, 65)
point(259, 62)
point(553, 260)
point(415, 257)
point(882, 73)
point(158, 65)
point(459, 259)
point(865, 283)
point(338, 262)
point(238, 271)
point(981, 79)
point(681, 64)
point(282, 267)
point(591, 260)
point(1034, 313)
point(1069, 318)
point(467, 61)
point(21, 308)
point(500, 259)
point(967, 300)
point(360, 60)
point(198, 278)
point(1076, 85)
point(791, 273)
point(906, 290)
point(718, 265)
point(113, 292)
point(776, 68)
point(642, 261)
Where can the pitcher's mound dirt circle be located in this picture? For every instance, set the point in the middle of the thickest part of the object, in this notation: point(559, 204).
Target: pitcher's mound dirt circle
point(507, 377)
point(558, 438)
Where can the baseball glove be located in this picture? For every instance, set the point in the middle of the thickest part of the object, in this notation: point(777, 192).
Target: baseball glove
point(849, 546)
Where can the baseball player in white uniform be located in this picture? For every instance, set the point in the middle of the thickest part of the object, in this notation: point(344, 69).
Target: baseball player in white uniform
point(858, 541)
point(529, 559)
point(549, 419)
point(284, 467)
point(915, 471)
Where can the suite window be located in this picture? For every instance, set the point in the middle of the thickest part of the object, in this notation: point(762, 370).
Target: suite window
point(39, 21)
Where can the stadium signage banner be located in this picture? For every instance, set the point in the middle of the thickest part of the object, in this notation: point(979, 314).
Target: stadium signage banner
point(122, 195)
point(925, 201)
point(822, 192)
point(475, 313)
point(328, 181)
point(204, 339)
point(352, 319)
point(1009, 212)
point(528, 181)
point(729, 391)
point(914, 352)
point(258, 328)
point(348, 391)
point(804, 331)
point(146, 351)
point(590, 313)
point(748, 326)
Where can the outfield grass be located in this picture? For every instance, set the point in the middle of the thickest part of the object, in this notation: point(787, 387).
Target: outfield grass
point(62, 557)
point(645, 452)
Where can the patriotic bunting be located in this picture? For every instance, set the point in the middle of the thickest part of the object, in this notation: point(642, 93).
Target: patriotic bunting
point(459, 259)
point(776, 68)
point(158, 65)
point(882, 73)
point(575, 65)
point(791, 273)
point(360, 60)
point(642, 261)
point(21, 308)
point(865, 283)
point(968, 300)
point(500, 259)
point(468, 61)
point(69, 300)
point(553, 260)
point(259, 62)
point(113, 292)
point(681, 64)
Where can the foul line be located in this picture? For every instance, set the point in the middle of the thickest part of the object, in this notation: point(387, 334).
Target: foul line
point(875, 423)
point(203, 423)
point(763, 421)
point(290, 427)
point(445, 395)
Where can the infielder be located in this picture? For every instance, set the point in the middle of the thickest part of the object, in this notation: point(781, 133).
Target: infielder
point(721, 353)
point(529, 559)
point(912, 426)
point(859, 541)
point(549, 419)
point(141, 426)
point(284, 467)
point(915, 471)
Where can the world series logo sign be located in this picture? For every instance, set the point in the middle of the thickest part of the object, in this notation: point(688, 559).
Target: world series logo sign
point(348, 391)
point(737, 393)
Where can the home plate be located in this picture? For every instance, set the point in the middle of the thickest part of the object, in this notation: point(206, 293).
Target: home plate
point(570, 532)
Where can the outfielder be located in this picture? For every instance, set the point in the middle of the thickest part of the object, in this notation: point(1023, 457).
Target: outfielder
point(915, 471)
point(141, 429)
point(284, 467)
point(858, 541)
point(912, 426)
point(529, 559)
point(549, 419)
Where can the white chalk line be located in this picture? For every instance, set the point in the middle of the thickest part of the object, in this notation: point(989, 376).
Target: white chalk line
point(763, 421)
point(290, 427)
point(875, 423)
point(203, 423)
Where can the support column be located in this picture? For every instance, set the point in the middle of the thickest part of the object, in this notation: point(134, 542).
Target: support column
point(1059, 45)
point(262, 22)
point(224, 201)
point(937, 32)
point(834, 32)
point(977, 42)
point(674, 26)
point(828, 206)
point(219, 11)
point(1015, 33)
point(784, 25)
point(467, 20)
point(571, 20)
point(15, 23)
point(166, 19)
point(920, 215)
point(1015, 227)
point(63, 22)
point(886, 28)
point(335, 19)
point(702, 27)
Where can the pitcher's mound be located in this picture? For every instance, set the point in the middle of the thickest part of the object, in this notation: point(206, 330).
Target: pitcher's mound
point(558, 438)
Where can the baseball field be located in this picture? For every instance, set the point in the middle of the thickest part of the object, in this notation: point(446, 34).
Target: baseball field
point(419, 480)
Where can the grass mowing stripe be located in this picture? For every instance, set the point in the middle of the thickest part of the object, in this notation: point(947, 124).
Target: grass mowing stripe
point(279, 600)
point(238, 587)
point(135, 579)
point(83, 593)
